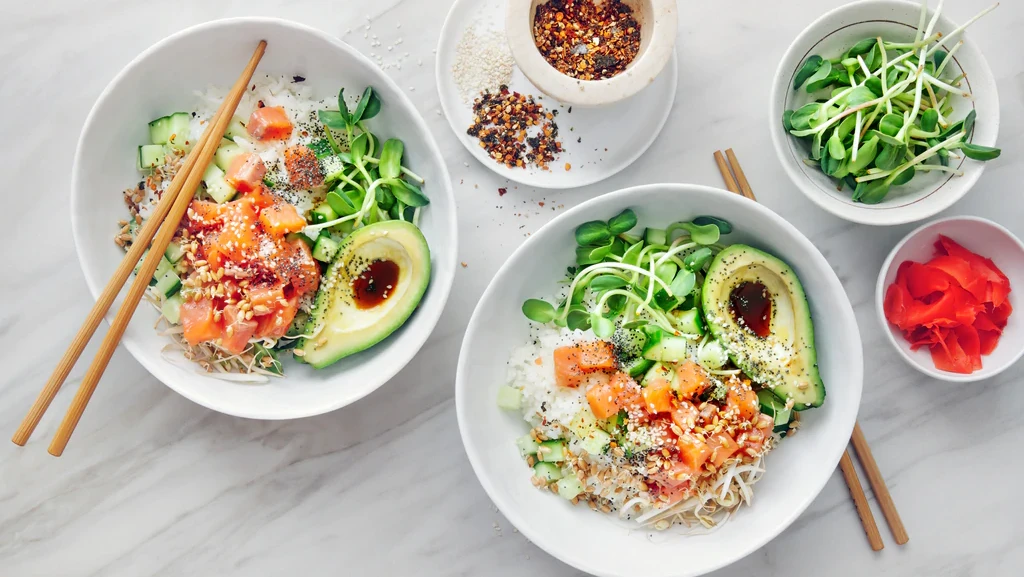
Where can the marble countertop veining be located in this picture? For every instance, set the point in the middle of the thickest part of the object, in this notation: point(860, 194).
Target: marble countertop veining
point(155, 485)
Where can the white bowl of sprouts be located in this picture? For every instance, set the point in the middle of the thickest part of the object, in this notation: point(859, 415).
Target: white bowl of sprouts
point(619, 543)
point(890, 148)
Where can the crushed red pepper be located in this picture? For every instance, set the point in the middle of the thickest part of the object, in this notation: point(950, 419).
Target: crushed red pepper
point(585, 40)
point(514, 129)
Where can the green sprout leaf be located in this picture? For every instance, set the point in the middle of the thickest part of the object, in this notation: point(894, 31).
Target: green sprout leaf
point(368, 107)
point(696, 259)
point(821, 77)
point(702, 234)
point(603, 327)
point(809, 67)
point(407, 192)
point(332, 119)
point(683, 283)
point(622, 222)
point(607, 282)
point(343, 112)
point(862, 47)
point(724, 226)
point(978, 152)
point(539, 311)
point(593, 232)
point(578, 319)
point(391, 158)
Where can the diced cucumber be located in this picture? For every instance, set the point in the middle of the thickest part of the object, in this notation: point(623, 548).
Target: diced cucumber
point(548, 471)
point(151, 156)
point(301, 236)
point(159, 130)
point(509, 398)
point(569, 487)
point(179, 129)
point(331, 166)
point(638, 366)
point(165, 266)
point(774, 408)
point(322, 213)
point(596, 442)
point(551, 451)
point(668, 348)
point(583, 423)
point(226, 152)
point(174, 252)
point(656, 236)
point(527, 446)
point(236, 128)
point(690, 321)
point(658, 371)
point(171, 308)
point(218, 188)
point(325, 248)
point(168, 284)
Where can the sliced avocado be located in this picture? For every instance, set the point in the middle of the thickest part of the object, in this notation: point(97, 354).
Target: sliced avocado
point(757, 309)
point(353, 311)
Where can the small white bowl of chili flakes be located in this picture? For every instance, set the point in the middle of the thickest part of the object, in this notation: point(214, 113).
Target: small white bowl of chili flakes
point(591, 52)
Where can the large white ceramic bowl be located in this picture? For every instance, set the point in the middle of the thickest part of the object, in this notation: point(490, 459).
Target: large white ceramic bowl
point(163, 79)
point(978, 235)
point(835, 32)
point(797, 470)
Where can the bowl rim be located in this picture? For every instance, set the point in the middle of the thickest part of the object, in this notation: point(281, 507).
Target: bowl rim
point(476, 320)
point(868, 214)
point(647, 65)
point(441, 284)
point(880, 289)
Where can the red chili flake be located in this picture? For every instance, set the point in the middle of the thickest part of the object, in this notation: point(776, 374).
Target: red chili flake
point(502, 191)
point(585, 39)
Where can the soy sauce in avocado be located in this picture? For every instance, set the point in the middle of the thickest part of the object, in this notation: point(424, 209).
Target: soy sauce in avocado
point(751, 305)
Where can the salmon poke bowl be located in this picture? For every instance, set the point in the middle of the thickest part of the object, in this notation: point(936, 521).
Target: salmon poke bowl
point(320, 241)
point(667, 367)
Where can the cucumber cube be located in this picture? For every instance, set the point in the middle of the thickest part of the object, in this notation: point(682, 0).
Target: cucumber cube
point(151, 156)
point(325, 248)
point(225, 154)
point(171, 308)
point(583, 423)
point(596, 442)
point(510, 398)
point(174, 252)
point(547, 471)
point(218, 188)
point(569, 487)
point(551, 451)
point(527, 446)
point(236, 128)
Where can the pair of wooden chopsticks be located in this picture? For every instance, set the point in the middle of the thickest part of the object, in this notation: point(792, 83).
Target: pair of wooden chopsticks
point(156, 233)
point(736, 181)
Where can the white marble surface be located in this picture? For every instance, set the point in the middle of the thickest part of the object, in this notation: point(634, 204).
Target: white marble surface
point(155, 485)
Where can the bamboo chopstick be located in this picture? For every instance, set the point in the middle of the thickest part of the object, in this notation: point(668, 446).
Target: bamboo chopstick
point(860, 502)
point(860, 445)
point(162, 224)
point(867, 460)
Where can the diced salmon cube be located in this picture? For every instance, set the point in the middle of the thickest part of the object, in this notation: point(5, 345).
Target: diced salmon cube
point(246, 172)
point(198, 322)
point(265, 299)
point(269, 123)
point(275, 324)
point(658, 396)
point(303, 167)
point(237, 330)
point(691, 380)
point(567, 367)
point(722, 446)
point(281, 219)
point(597, 356)
point(693, 451)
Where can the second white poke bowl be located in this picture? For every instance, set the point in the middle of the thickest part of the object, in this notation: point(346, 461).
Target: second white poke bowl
point(163, 79)
point(605, 545)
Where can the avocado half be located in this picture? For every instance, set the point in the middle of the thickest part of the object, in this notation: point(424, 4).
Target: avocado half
point(342, 324)
point(784, 360)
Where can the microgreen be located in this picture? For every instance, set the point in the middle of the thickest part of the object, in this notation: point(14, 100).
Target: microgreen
point(886, 117)
point(363, 188)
